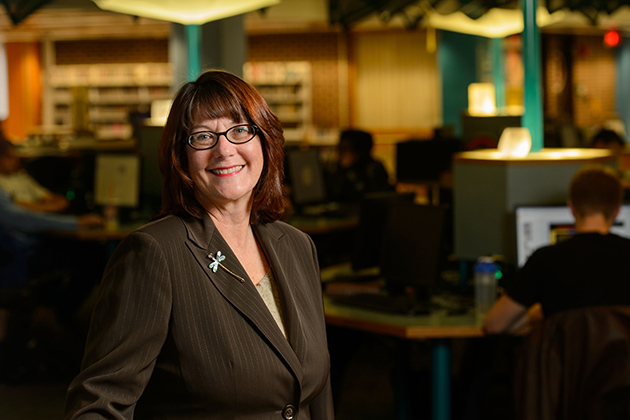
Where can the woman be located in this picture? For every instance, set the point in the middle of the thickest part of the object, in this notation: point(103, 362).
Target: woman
point(213, 311)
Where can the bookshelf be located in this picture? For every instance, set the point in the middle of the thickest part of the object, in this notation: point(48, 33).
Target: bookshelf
point(99, 97)
point(286, 86)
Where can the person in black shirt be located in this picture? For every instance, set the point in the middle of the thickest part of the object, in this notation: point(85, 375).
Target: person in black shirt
point(356, 172)
point(590, 269)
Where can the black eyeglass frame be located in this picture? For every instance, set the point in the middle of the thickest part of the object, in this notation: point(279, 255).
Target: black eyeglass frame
point(224, 133)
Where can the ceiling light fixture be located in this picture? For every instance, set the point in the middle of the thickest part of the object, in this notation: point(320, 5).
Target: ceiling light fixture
point(188, 12)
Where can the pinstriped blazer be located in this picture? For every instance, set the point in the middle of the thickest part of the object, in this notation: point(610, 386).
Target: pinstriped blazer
point(171, 339)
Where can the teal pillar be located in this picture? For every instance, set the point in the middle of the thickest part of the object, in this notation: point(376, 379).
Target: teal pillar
point(623, 85)
point(457, 60)
point(532, 90)
point(498, 72)
point(441, 379)
point(220, 44)
point(193, 36)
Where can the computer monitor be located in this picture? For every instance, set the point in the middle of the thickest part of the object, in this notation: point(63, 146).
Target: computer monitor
point(537, 226)
point(485, 132)
point(150, 177)
point(306, 177)
point(116, 179)
point(412, 249)
point(424, 160)
point(367, 248)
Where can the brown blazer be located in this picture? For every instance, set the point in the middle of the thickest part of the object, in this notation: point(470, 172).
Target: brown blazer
point(171, 339)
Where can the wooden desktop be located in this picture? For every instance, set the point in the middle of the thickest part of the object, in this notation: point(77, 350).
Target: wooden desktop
point(97, 233)
point(439, 326)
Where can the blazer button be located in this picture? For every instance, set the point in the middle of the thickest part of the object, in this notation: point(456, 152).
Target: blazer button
point(289, 412)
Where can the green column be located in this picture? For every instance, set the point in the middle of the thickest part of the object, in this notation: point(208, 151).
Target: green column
point(623, 84)
point(532, 90)
point(498, 72)
point(193, 35)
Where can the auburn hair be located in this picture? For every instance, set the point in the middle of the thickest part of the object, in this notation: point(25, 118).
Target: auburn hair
point(220, 94)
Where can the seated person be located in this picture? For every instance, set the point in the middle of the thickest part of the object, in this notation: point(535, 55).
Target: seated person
point(608, 139)
point(23, 207)
point(21, 187)
point(356, 171)
point(590, 269)
point(32, 262)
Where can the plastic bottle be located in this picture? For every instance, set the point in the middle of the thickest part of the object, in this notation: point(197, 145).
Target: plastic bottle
point(485, 285)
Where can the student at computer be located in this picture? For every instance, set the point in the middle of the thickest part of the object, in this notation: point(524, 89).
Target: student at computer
point(20, 225)
point(356, 171)
point(590, 269)
point(23, 189)
point(30, 262)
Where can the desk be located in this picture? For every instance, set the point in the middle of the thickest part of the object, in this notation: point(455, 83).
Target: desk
point(437, 326)
point(72, 147)
point(333, 237)
point(96, 234)
point(323, 225)
point(311, 226)
point(110, 236)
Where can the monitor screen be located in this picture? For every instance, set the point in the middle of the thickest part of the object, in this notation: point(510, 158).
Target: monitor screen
point(537, 226)
point(150, 177)
point(374, 209)
point(306, 177)
point(116, 180)
point(424, 160)
point(412, 247)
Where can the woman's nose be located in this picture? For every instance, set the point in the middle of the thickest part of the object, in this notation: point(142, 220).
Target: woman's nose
point(223, 147)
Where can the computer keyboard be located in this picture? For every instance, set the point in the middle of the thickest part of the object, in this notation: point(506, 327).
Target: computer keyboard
point(356, 278)
point(405, 305)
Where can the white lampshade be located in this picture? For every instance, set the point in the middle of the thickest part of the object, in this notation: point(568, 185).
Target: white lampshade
point(186, 12)
point(515, 142)
point(481, 99)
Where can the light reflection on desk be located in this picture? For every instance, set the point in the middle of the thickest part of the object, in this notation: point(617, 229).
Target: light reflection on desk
point(97, 234)
point(323, 225)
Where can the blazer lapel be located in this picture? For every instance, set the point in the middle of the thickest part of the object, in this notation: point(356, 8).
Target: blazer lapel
point(205, 240)
point(284, 266)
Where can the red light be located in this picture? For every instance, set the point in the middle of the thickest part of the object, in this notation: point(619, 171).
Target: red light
point(612, 38)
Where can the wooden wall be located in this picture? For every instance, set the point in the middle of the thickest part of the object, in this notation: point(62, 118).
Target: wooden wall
point(397, 83)
point(25, 89)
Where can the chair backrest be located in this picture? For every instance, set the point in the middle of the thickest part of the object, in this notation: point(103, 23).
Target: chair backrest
point(576, 365)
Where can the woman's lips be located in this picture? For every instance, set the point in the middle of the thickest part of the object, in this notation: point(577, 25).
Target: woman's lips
point(227, 171)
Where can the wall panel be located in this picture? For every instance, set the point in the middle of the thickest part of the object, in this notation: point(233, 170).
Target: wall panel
point(397, 84)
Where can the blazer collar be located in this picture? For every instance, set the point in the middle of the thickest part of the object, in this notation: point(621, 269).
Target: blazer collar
point(205, 240)
point(283, 260)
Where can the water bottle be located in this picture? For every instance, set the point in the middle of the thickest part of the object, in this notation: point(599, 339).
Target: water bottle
point(485, 285)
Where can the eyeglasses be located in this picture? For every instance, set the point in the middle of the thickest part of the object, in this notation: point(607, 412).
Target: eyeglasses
point(238, 134)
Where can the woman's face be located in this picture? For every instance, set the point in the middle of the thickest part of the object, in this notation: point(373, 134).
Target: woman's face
point(227, 173)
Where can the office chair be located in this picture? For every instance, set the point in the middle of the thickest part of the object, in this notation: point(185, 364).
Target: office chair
point(576, 365)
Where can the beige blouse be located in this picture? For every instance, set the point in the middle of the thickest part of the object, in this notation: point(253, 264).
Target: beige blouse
point(269, 292)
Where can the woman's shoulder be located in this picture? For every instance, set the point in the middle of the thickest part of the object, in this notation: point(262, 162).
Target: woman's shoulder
point(167, 227)
point(280, 228)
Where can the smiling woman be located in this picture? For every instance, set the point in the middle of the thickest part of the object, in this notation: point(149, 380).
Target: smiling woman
point(214, 310)
point(224, 172)
point(218, 98)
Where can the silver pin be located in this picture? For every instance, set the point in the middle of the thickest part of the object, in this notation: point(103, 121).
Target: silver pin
point(216, 262)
